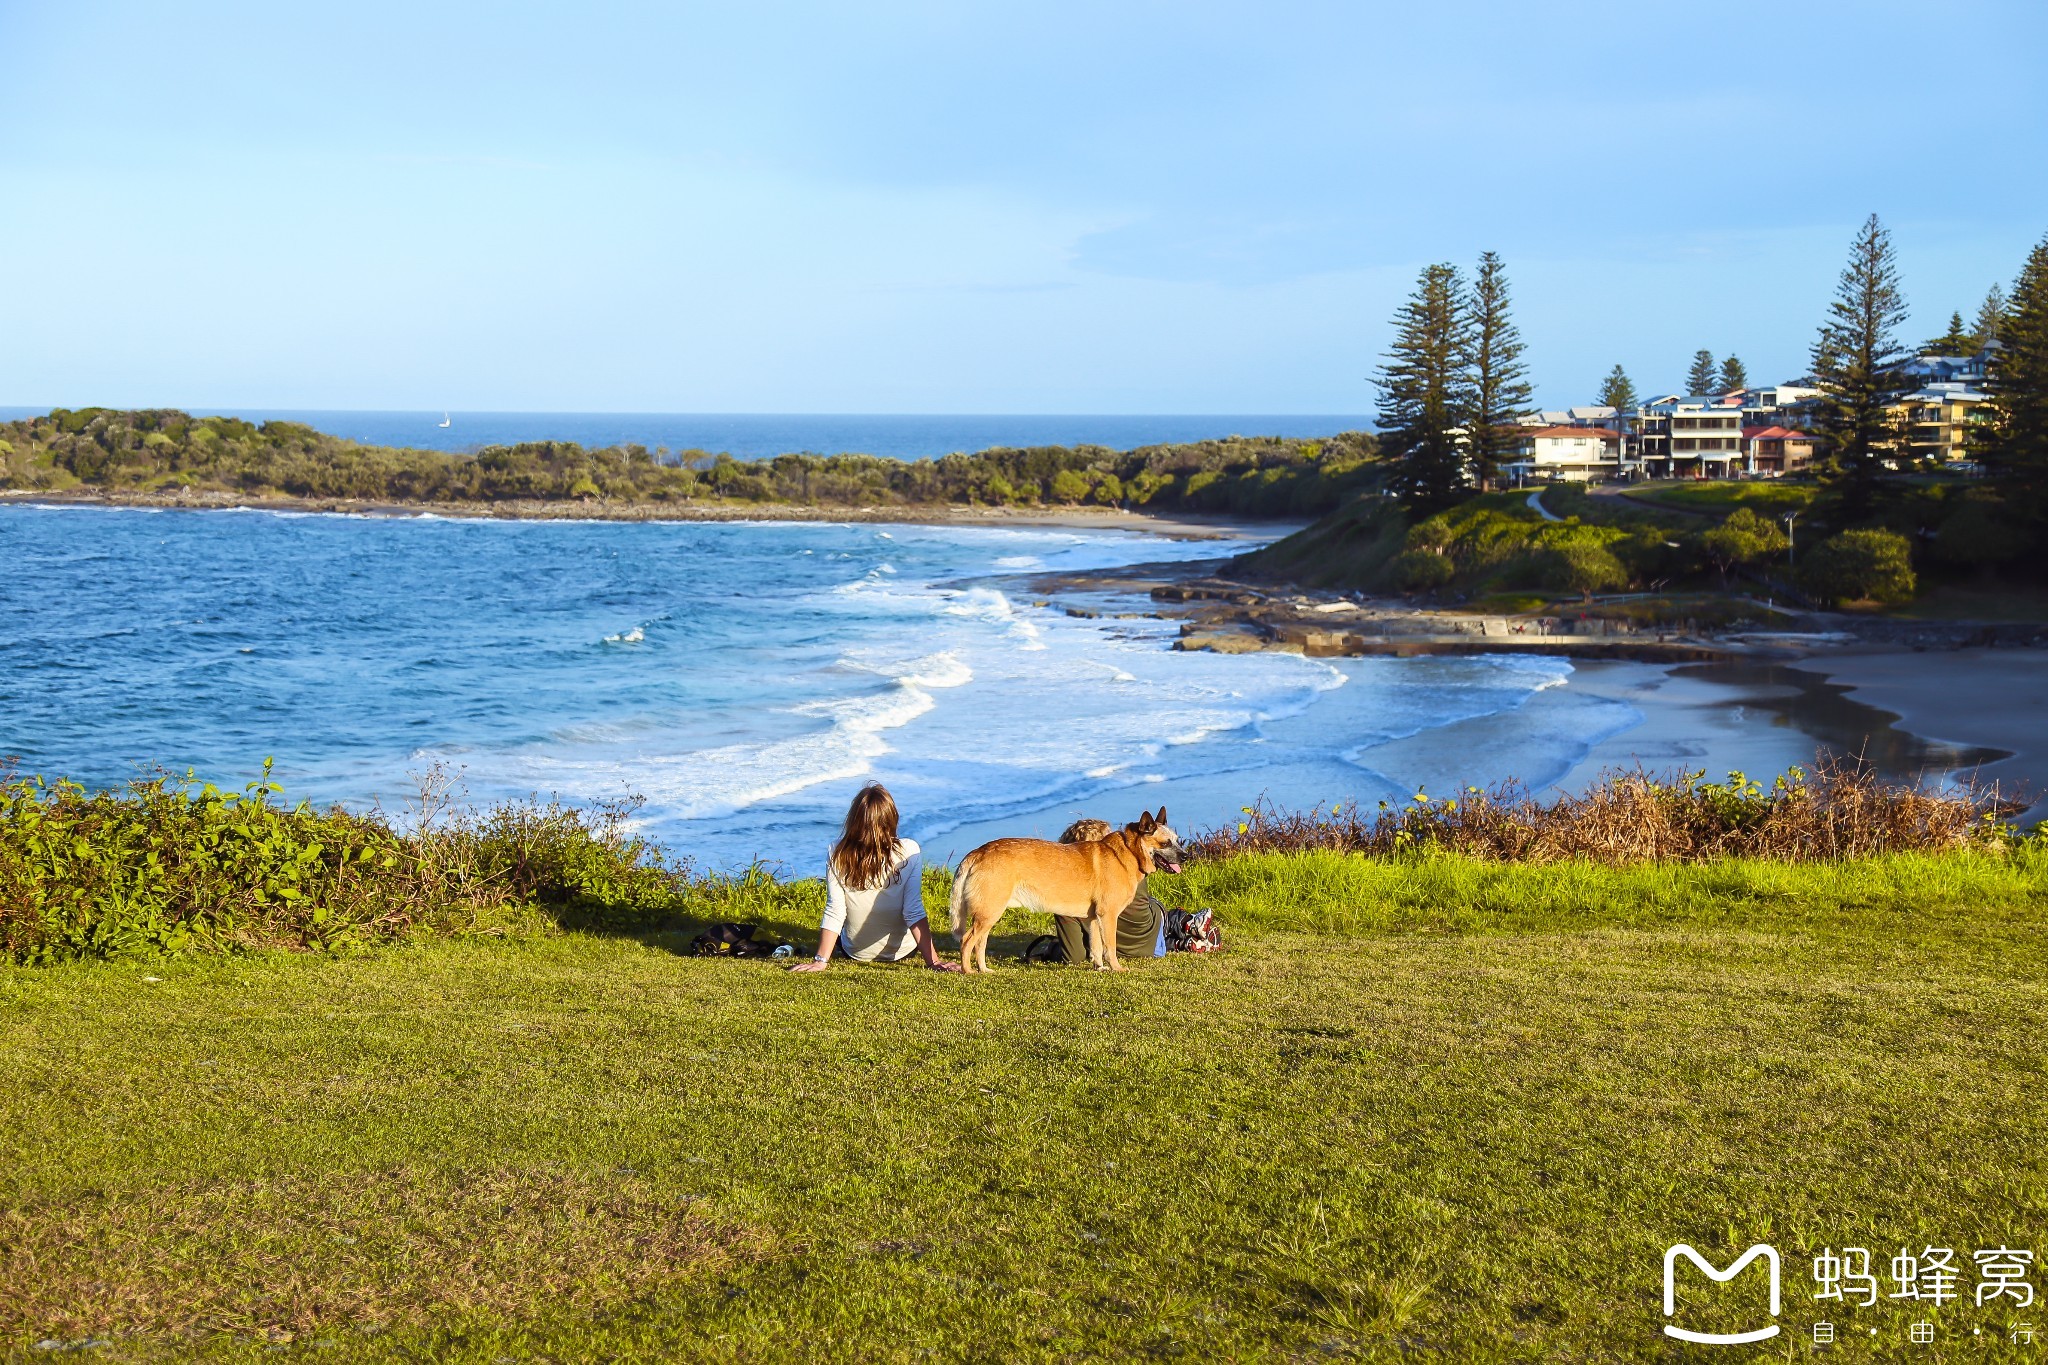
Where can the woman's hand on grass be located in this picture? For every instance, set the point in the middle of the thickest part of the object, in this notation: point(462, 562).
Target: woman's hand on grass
point(943, 966)
point(812, 966)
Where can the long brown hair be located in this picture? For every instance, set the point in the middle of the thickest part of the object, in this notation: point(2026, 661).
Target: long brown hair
point(866, 852)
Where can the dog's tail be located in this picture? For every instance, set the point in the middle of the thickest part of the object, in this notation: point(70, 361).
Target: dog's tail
point(957, 907)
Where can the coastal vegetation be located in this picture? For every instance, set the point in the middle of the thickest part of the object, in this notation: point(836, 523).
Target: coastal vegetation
point(1835, 811)
point(166, 869)
point(166, 452)
point(1864, 529)
point(1431, 1102)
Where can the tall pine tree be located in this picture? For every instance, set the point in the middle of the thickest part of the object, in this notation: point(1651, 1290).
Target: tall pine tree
point(1733, 376)
point(1425, 392)
point(1990, 317)
point(1955, 341)
point(1617, 392)
point(2016, 445)
point(1856, 344)
point(1499, 385)
point(1700, 378)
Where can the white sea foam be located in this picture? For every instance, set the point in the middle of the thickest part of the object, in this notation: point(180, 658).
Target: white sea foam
point(811, 662)
point(943, 669)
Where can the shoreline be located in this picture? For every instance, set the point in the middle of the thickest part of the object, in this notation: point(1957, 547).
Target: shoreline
point(1962, 703)
point(1177, 525)
point(1973, 697)
point(1900, 679)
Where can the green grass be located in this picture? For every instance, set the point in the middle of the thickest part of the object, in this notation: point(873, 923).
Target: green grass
point(1958, 602)
point(1434, 1109)
point(1510, 604)
point(1773, 497)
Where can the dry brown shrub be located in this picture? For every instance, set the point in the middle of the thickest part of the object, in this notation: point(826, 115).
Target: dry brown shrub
point(282, 1257)
point(1839, 809)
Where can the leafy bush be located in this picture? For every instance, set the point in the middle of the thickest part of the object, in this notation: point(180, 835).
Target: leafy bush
point(1744, 538)
point(1421, 570)
point(1874, 566)
point(1579, 567)
point(1069, 486)
point(1979, 530)
point(167, 867)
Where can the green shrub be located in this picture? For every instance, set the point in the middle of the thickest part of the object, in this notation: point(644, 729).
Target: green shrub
point(1581, 568)
point(1069, 486)
point(167, 867)
point(1423, 570)
point(1979, 530)
point(1744, 538)
point(1874, 566)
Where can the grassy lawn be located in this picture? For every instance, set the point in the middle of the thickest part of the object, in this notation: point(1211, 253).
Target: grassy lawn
point(1715, 497)
point(1436, 1110)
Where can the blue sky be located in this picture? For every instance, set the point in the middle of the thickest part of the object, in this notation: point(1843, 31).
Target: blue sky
point(950, 207)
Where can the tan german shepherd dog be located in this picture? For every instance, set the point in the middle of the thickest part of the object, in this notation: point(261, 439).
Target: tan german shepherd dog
point(1092, 880)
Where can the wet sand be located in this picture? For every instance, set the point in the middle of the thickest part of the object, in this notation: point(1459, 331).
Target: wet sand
point(1981, 699)
point(1755, 718)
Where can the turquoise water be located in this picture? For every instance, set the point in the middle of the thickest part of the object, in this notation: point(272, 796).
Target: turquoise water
point(743, 679)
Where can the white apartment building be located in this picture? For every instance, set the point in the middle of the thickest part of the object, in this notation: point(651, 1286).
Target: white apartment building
point(1582, 454)
point(1694, 436)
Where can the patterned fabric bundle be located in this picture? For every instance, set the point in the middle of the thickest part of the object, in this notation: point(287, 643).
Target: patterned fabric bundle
point(1193, 932)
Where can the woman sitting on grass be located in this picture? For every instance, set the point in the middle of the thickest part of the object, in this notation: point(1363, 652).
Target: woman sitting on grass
point(874, 891)
point(1140, 926)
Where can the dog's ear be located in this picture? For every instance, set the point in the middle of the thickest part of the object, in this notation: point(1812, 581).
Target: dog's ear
point(1146, 824)
point(1160, 819)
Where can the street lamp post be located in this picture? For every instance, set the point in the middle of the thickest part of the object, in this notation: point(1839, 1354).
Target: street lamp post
point(1790, 560)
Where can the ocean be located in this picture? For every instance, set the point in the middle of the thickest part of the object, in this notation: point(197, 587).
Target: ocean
point(754, 435)
point(740, 680)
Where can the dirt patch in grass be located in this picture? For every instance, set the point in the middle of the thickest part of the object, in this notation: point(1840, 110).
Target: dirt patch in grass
point(403, 1248)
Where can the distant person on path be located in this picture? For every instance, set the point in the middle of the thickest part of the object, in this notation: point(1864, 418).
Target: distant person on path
point(874, 891)
point(1139, 925)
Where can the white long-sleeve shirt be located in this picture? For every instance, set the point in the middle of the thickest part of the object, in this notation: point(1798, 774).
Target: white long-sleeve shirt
point(874, 925)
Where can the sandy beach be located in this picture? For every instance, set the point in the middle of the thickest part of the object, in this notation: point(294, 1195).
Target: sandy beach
point(1994, 699)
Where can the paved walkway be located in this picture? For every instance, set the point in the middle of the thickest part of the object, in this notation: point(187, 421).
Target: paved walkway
point(1536, 501)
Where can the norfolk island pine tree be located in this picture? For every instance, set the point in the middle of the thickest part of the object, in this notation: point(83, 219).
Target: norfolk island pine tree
point(1856, 345)
point(1425, 393)
point(1700, 378)
point(2015, 442)
point(1499, 387)
point(1617, 392)
point(1733, 376)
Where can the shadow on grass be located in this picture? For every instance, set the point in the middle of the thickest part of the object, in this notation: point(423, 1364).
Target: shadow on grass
point(677, 934)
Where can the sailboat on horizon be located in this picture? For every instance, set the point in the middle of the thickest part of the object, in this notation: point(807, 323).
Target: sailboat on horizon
point(444, 419)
